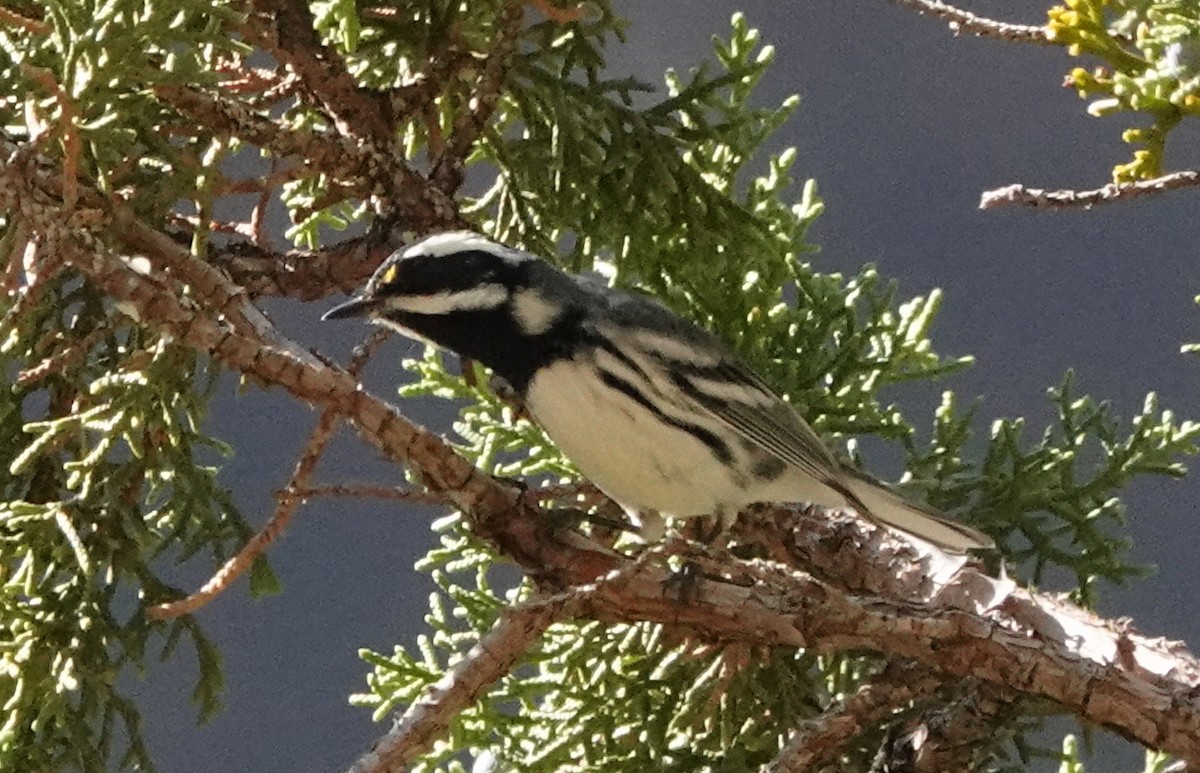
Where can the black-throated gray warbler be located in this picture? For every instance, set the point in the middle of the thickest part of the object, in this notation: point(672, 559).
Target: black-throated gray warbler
point(655, 411)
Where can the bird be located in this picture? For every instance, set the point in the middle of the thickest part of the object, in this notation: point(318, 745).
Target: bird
point(657, 412)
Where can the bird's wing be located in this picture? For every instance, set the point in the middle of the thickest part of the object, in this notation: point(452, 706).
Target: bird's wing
point(675, 357)
point(706, 371)
point(774, 426)
point(739, 398)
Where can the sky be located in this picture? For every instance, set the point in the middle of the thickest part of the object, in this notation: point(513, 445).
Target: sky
point(902, 125)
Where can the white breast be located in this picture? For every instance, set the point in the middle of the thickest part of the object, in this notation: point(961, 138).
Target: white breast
point(642, 462)
point(629, 453)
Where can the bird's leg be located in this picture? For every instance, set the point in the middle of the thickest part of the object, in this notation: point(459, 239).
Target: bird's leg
point(709, 531)
point(576, 516)
point(712, 530)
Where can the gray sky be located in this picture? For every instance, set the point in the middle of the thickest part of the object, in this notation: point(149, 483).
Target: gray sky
point(903, 126)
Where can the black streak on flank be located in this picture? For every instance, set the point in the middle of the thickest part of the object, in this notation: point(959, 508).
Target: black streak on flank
point(714, 444)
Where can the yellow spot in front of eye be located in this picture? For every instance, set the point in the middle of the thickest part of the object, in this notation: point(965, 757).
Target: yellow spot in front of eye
point(389, 276)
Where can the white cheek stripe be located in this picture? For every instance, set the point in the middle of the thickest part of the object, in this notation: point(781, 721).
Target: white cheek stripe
point(534, 312)
point(476, 299)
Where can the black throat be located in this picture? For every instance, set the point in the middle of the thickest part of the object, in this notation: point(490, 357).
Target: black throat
point(492, 337)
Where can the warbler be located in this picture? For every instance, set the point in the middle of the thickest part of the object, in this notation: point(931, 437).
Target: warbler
point(657, 412)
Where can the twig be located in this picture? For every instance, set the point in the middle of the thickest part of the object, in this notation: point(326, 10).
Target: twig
point(244, 79)
point(964, 21)
point(365, 490)
point(360, 167)
point(1064, 199)
point(428, 718)
point(964, 722)
point(258, 216)
point(575, 488)
point(324, 153)
point(559, 15)
point(14, 19)
point(286, 502)
point(292, 40)
point(226, 186)
point(816, 742)
point(448, 167)
point(72, 353)
point(38, 265)
point(448, 59)
point(305, 275)
point(518, 627)
point(72, 145)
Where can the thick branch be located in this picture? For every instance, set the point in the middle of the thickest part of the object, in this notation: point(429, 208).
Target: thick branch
point(1064, 199)
point(975, 626)
point(256, 350)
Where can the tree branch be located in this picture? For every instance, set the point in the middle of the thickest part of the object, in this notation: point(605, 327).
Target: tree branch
point(255, 349)
point(11, 18)
point(306, 275)
point(963, 727)
point(364, 491)
point(1063, 199)
point(447, 171)
point(816, 742)
point(428, 718)
point(292, 39)
point(961, 21)
point(426, 208)
point(286, 502)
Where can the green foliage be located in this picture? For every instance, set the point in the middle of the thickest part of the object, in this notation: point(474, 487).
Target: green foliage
point(105, 467)
point(1150, 55)
point(1056, 502)
point(109, 57)
point(1070, 756)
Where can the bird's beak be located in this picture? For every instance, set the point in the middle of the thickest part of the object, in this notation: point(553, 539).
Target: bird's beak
point(355, 307)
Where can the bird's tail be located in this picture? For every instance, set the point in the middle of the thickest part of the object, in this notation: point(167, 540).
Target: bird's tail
point(889, 507)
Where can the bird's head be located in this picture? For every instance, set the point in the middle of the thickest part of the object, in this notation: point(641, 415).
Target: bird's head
point(466, 293)
point(440, 275)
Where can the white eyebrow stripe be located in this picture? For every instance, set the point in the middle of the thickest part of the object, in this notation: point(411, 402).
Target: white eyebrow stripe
point(478, 298)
